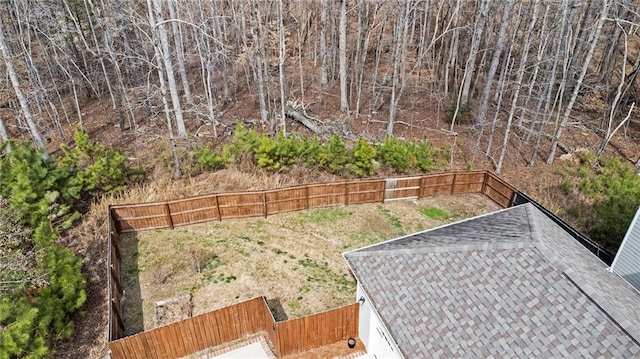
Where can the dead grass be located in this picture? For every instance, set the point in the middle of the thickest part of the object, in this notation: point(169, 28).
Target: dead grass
point(293, 259)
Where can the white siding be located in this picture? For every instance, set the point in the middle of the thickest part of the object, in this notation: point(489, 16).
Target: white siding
point(372, 332)
point(627, 261)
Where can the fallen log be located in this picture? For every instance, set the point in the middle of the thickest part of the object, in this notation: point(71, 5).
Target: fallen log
point(304, 120)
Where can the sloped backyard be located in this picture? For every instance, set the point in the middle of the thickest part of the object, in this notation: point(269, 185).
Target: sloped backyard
point(293, 259)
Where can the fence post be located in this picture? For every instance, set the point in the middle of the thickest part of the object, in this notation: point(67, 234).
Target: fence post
point(484, 182)
point(384, 190)
point(264, 203)
point(453, 184)
point(421, 186)
point(346, 193)
point(306, 196)
point(167, 211)
point(218, 207)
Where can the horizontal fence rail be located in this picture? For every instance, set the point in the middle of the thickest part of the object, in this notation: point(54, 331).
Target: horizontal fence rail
point(220, 206)
point(186, 211)
point(234, 322)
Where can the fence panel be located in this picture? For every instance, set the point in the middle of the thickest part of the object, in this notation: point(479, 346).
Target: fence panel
point(402, 188)
point(317, 330)
point(193, 210)
point(327, 195)
point(197, 333)
point(114, 317)
point(468, 182)
point(365, 192)
point(240, 205)
point(432, 185)
point(142, 216)
point(498, 190)
point(286, 200)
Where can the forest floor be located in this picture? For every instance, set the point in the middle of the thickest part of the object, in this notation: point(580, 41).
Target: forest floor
point(148, 147)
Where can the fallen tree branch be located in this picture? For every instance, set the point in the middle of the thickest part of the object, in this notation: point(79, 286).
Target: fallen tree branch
point(304, 120)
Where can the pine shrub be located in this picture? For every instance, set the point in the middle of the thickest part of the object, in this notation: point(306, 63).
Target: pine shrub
point(363, 163)
point(311, 151)
point(394, 153)
point(334, 154)
point(207, 159)
point(276, 154)
point(243, 144)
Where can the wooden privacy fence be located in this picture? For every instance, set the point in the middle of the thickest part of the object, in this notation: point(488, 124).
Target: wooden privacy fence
point(186, 211)
point(306, 333)
point(237, 321)
point(181, 212)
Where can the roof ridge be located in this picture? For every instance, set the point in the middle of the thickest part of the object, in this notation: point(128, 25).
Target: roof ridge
point(447, 248)
point(533, 223)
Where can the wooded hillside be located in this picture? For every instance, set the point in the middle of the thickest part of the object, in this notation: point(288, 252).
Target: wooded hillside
point(526, 68)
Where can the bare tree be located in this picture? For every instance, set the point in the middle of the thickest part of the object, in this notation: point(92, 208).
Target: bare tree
point(179, 48)
point(158, 25)
point(567, 112)
point(323, 42)
point(478, 29)
point(344, 103)
point(24, 105)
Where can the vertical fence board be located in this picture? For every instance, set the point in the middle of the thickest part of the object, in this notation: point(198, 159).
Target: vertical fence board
point(140, 216)
point(402, 188)
point(327, 195)
point(193, 210)
point(468, 182)
point(432, 185)
point(317, 330)
point(286, 200)
point(365, 192)
point(498, 190)
point(239, 205)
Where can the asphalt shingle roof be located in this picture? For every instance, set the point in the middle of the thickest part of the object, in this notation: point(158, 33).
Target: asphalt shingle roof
point(508, 284)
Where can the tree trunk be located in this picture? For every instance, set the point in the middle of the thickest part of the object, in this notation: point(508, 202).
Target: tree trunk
point(155, 22)
point(344, 103)
point(281, 53)
point(4, 134)
point(578, 86)
point(259, 66)
point(24, 105)
point(475, 45)
point(323, 43)
point(177, 39)
point(398, 64)
point(486, 92)
point(519, 84)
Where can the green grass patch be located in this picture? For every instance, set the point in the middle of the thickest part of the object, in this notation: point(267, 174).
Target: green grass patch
point(396, 223)
point(324, 215)
point(435, 213)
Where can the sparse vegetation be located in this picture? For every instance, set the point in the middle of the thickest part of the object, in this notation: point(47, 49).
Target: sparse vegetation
point(435, 213)
point(464, 112)
point(293, 257)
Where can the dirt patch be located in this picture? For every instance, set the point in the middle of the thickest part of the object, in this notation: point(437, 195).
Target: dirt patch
point(173, 310)
point(293, 259)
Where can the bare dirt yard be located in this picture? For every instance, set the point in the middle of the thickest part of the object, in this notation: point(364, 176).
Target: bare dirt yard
point(294, 259)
